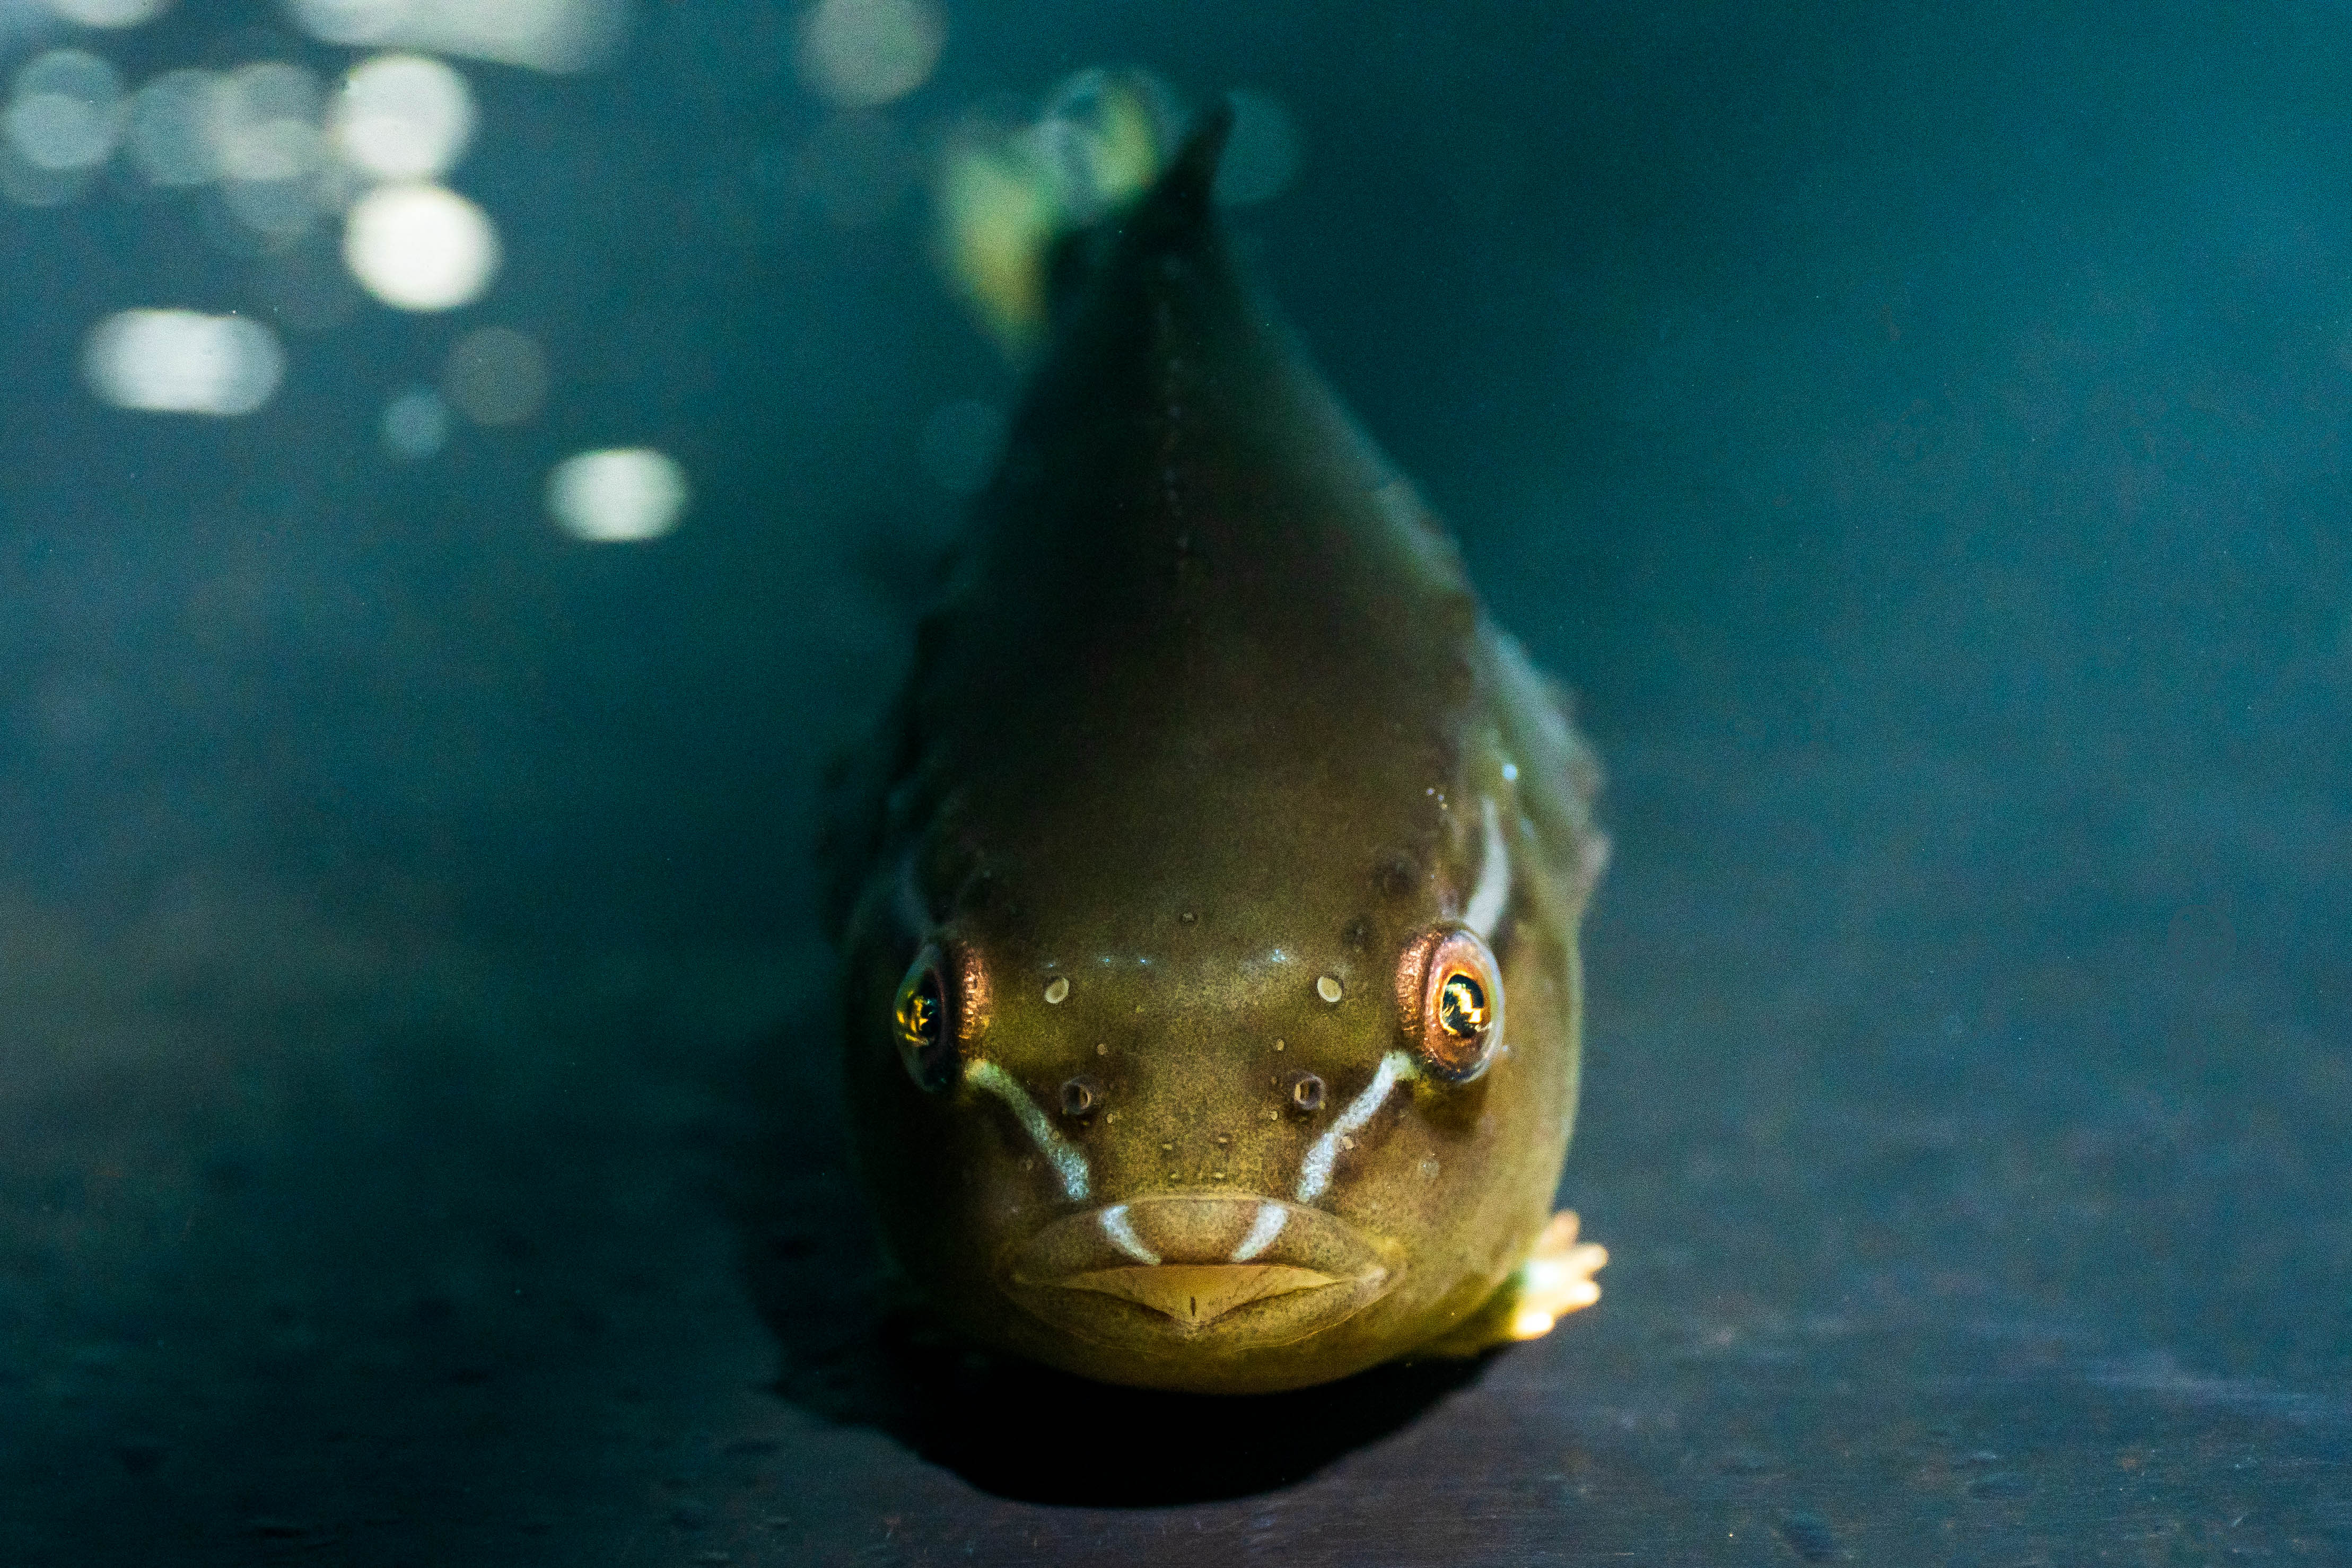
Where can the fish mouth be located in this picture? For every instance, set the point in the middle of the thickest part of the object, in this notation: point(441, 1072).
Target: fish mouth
point(1254, 1269)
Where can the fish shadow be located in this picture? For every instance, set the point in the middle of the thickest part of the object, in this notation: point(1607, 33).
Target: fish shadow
point(1028, 1432)
point(853, 1350)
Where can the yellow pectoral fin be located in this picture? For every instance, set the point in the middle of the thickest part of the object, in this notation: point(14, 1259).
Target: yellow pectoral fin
point(1555, 1279)
point(1007, 198)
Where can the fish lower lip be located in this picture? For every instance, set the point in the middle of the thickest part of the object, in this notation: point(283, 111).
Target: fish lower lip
point(1195, 1295)
point(1181, 1264)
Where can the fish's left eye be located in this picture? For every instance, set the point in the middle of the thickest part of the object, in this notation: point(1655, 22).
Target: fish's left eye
point(1450, 1002)
point(940, 1007)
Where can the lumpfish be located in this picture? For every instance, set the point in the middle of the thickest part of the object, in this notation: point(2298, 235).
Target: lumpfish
point(1208, 904)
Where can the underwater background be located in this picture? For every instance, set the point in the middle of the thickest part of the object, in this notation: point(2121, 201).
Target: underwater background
point(468, 467)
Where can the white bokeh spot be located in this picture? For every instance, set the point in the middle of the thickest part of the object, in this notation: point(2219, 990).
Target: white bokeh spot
point(65, 113)
point(542, 34)
point(420, 247)
point(861, 53)
point(169, 129)
point(622, 496)
point(183, 362)
point(402, 116)
point(109, 13)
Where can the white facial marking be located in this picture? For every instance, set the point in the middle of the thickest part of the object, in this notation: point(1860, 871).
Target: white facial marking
point(1067, 1162)
point(1271, 1219)
point(1123, 1237)
point(1493, 895)
point(1315, 1170)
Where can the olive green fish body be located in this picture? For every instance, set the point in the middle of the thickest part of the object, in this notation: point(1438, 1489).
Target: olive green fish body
point(1210, 913)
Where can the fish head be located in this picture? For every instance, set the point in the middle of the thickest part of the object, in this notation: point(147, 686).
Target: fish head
point(1244, 1105)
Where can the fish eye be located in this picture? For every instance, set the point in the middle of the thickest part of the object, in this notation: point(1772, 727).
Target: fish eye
point(940, 1007)
point(1462, 1009)
point(1450, 1002)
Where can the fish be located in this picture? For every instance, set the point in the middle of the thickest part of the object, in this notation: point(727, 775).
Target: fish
point(1207, 903)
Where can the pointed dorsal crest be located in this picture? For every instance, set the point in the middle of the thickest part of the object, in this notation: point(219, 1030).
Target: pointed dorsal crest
point(1184, 197)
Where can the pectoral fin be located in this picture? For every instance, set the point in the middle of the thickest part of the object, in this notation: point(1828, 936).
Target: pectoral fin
point(1555, 1279)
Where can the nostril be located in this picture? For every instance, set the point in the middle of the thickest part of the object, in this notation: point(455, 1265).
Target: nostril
point(1079, 1098)
point(1306, 1092)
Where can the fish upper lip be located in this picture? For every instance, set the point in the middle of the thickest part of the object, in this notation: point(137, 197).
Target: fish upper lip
point(1197, 1230)
point(1174, 1268)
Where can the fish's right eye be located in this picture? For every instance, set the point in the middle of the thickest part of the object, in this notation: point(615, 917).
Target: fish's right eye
point(922, 1022)
point(1450, 1002)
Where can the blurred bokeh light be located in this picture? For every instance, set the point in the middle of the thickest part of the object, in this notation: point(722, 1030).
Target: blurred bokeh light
point(416, 424)
point(861, 53)
point(495, 376)
point(420, 247)
point(542, 34)
point(64, 113)
point(169, 129)
point(622, 496)
point(403, 117)
point(183, 362)
point(262, 121)
point(109, 13)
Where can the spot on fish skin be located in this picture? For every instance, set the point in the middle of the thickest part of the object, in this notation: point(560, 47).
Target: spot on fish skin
point(1397, 877)
point(1329, 989)
point(1059, 991)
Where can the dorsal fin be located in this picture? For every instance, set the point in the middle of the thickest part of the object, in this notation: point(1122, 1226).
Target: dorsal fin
point(1185, 190)
point(1170, 214)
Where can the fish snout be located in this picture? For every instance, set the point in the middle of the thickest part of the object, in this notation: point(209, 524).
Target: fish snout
point(1257, 1269)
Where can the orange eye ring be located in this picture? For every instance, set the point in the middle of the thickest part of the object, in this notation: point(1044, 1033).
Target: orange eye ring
point(941, 1009)
point(1450, 1002)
